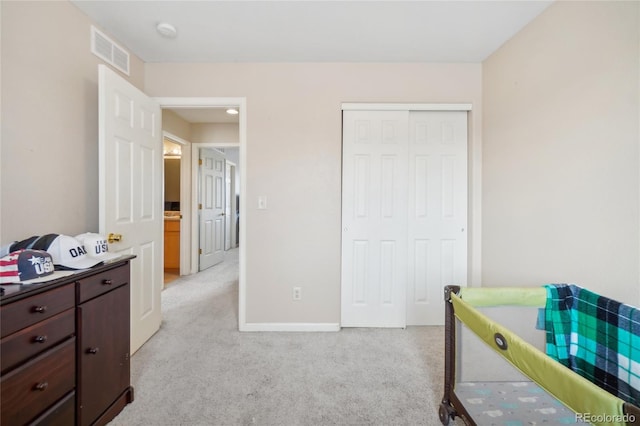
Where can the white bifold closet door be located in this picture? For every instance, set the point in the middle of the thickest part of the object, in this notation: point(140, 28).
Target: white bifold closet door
point(404, 215)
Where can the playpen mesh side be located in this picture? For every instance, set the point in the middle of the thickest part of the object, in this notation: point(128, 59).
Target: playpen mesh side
point(576, 392)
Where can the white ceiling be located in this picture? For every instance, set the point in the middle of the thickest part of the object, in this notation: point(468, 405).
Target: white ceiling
point(314, 31)
point(310, 31)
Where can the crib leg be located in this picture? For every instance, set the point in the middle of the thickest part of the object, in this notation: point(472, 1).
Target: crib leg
point(446, 413)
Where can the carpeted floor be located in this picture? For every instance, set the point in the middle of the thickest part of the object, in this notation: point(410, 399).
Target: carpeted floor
point(200, 370)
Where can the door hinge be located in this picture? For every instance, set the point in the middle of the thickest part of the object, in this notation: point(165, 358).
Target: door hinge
point(199, 251)
point(200, 161)
point(200, 206)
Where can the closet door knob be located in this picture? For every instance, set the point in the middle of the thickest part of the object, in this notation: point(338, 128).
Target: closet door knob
point(93, 351)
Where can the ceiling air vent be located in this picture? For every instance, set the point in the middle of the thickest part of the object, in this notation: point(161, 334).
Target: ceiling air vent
point(106, 49)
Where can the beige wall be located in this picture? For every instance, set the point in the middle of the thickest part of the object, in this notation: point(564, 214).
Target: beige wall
point(176, 125)
point(294, 159)
point(215, 133)
point(49, 168)
point(560, 151)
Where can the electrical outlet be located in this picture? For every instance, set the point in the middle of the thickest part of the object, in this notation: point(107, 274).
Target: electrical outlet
point(297, 293)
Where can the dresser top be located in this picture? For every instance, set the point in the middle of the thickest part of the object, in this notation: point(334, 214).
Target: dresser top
point(13, 292)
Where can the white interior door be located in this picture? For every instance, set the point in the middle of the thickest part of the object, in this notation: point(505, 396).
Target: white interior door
point(437, 220)
point(404, 215)
point(374, 218)
point(212, 188)
point(130, 193)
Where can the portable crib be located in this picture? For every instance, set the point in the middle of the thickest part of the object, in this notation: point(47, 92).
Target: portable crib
point(500, 375)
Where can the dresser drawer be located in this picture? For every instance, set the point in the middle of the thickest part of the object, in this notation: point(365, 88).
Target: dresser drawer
point(23, 313)
point(93, 286)
point(62, 413)
point(38, 384)
point(19, 347)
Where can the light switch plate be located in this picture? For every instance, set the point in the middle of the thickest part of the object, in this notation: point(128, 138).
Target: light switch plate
point(262, 202)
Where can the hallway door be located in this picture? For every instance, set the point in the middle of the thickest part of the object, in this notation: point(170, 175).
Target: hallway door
point(211, 206)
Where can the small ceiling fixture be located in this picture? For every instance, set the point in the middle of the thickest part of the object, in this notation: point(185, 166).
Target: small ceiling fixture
point(173, 152)
point(232, 111)
point(166, 30)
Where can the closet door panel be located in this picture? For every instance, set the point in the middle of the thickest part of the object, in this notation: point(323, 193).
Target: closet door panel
point(437, 219)
point(374, 210)
point(404, 215)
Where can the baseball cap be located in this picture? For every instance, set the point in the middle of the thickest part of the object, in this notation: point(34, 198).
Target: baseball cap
point(6, 249)
point(66, 251)
point(96, 246)
point(28, 267)
point(24, 244)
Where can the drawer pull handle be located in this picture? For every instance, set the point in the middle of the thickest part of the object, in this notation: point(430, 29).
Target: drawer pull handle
point(40, 339)
point(107, 282)
point(39, 309)
point(41, 386)
point(93, 350)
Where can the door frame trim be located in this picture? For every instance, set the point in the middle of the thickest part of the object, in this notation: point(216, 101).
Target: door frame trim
point(351, 106)
point(232, 204)
point(241, 104)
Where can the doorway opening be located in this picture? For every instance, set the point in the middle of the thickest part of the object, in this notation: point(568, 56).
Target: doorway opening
point(206, 133)
point(175, 199)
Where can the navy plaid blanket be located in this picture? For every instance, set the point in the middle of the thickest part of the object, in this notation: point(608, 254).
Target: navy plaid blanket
point(596, 337)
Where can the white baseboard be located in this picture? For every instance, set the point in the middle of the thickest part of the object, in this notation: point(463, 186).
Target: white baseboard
point(289, 326)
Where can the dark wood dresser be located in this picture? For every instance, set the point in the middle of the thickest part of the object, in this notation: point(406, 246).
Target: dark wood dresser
point(64, 348)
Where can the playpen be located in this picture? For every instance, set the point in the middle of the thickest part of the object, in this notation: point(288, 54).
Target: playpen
point(497, 367)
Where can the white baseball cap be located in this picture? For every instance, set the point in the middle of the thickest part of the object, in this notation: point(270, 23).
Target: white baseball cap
point(66, 251)
point(96, 246)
